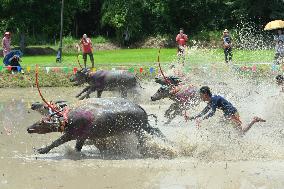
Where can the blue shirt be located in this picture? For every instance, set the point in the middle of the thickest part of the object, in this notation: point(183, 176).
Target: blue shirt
point(227, 40)
point(220, 103)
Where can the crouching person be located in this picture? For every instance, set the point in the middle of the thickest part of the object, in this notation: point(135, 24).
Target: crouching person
point(230, 112)
point(15, 63)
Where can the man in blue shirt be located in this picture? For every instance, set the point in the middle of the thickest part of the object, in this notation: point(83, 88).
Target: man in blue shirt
point(230, 112)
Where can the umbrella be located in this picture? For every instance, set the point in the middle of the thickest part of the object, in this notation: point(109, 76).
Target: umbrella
point(10, 55)
point(275, 24)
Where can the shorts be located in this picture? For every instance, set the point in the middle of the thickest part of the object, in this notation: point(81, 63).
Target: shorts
point(90, 54)
point(235, 118)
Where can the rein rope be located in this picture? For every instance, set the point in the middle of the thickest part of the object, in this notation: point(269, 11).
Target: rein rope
point(166, 79)
point(43, 99)
point(169, 83)
point(53, 107)
point(79, 61)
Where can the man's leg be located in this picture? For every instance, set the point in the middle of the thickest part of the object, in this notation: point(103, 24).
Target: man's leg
point(230, 54)
point(254, 120)
point(226, 55)
point(92, 59)
point(85, 59)
point(235, 118)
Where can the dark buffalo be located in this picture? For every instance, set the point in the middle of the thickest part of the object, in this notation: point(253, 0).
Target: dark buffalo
point(102, 80)
point(96, 118)
point(185, 98)
point(44, 109)
point(170, 80)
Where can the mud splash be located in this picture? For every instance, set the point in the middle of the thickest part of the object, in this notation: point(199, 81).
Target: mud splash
point(213, 155)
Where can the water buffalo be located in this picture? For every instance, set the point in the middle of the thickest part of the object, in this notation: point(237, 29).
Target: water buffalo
point(96, 118)
point(102, 80)
point(44, 109)
point(170, 80)
point(184, 98)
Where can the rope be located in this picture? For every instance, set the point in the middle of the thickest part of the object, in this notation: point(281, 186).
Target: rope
point(167, 81)
point(79, 62)
point(43, 99)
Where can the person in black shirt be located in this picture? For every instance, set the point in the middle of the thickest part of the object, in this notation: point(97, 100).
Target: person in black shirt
point(227, 45)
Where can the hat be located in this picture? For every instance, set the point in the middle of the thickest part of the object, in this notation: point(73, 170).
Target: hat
point(226, 31)
point(7, 33)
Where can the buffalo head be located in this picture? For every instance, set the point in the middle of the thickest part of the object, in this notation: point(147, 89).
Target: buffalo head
point(80, 77)
point(44, 109)
point(170, 80)
point(44, 126)
point(163, 92)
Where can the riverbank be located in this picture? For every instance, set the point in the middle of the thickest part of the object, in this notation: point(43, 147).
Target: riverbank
point(59, 76)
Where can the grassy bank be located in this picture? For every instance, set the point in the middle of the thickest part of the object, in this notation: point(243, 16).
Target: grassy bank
point(133, 59)
point(148, 56)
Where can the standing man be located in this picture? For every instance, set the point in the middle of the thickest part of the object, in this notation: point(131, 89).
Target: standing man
point(6, 43)
point(227, 45)
point(279, 37)
point(181, 40)
point(87, 48)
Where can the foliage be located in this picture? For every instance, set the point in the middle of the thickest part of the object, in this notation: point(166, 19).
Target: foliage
point(39, 20)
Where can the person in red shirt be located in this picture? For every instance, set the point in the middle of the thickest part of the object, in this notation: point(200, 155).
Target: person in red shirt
point(87, 48)
point(181, 40)
point(6, 43)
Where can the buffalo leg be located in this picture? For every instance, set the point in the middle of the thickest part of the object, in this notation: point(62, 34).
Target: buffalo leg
point(79, 144)
point(99, 93)
point(153, 131)
point(87, 95)
point(84, 90)
point(171, 109)
point(64, 138)
point(123, 93)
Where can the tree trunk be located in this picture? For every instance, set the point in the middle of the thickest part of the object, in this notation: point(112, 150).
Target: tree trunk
point(22, 42)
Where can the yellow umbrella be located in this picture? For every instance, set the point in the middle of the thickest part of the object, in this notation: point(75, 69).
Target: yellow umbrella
point(275, 24)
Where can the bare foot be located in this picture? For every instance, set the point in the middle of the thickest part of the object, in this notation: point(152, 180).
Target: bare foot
point(258, 119)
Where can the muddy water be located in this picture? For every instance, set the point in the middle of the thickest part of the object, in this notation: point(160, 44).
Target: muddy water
point(210, 156)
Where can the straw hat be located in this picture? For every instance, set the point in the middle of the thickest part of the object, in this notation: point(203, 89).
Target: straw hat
point(226, 31)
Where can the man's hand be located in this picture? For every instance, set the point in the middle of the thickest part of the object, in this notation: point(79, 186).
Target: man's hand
point(198, 123)
point(191, 118)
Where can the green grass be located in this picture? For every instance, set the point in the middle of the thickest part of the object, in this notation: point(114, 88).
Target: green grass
point(131, 58)
point(148, 57)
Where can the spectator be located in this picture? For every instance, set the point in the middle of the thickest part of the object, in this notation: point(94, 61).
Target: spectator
point(87, 48)
point(279, 55)
point(227, 45)
point(181, 40)
point(277, 38)
point(14, 61)
point(6, 43)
